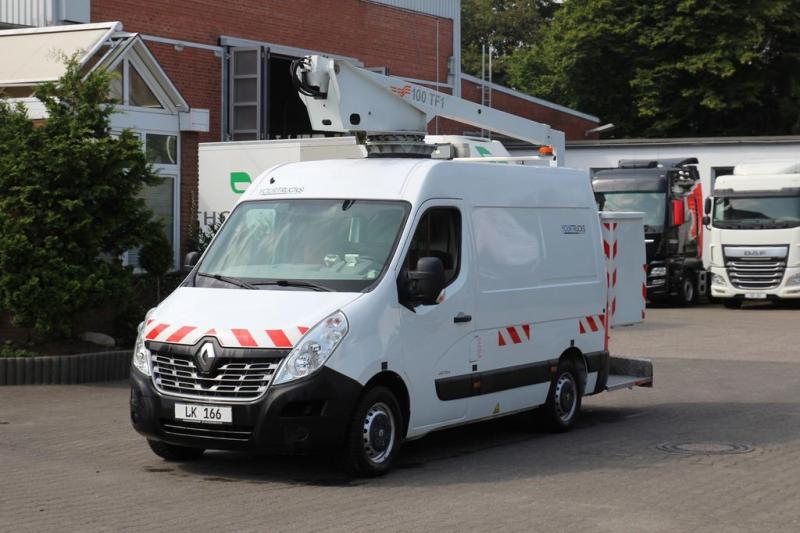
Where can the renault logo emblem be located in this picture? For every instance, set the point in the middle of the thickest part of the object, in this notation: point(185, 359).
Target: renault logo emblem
point(206, 357)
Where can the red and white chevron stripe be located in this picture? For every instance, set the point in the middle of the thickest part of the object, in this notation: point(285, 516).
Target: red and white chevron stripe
point(232, 338)
point(514, 334)
point(591, 324)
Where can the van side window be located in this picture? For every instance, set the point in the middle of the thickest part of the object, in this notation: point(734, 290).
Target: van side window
point(438, 235)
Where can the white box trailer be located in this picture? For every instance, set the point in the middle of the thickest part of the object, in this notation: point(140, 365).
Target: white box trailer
point(226, 169)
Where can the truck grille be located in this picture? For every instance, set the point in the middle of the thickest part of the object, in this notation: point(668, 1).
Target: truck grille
point(756, 272)
point(233, 380)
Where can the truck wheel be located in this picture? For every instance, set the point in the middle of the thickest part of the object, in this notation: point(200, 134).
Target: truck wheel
point(373, 438)
point(171, 452)
point(687, 292)
point(564, 399)
point(732, 303)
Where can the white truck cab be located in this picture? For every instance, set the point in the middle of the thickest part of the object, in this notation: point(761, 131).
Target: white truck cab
point(754, 233)
point(352, 304)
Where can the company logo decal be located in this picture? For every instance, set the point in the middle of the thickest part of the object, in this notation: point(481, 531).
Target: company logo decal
point(573, 229)
point(239, 182)
point(267, 191)
point(206, 357)
point(401, 91)
point(754, 252)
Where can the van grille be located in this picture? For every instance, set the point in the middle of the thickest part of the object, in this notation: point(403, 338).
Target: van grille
point(207, 431)
point(756, 272)
point(234, 380)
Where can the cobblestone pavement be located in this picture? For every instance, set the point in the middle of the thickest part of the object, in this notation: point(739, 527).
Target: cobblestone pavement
point(69, 460)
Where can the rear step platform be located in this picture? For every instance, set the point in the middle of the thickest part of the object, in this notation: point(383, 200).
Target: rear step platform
point(625, 373)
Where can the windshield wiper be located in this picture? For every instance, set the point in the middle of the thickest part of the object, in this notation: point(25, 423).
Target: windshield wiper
point(233, 281)
point(293, 283)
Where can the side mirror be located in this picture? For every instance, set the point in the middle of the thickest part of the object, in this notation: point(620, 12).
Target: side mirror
point(191, 260)
point(424, 284)
point(678, 214)
point(707, 207)
point(706, 220)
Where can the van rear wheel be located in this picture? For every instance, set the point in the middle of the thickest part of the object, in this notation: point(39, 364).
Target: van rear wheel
point(171, 452)
point(373, 437)
point(564, 399)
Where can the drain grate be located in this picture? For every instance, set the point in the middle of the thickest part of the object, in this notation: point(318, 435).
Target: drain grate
point(704, 448)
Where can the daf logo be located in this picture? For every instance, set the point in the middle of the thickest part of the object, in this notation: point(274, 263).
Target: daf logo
point(755, 252)
point(206, 357)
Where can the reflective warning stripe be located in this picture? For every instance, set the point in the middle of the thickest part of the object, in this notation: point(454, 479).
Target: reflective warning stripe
point(244, 337)
point(514, 335)
point(279, 338)
point(153, 333)
point(180, 333)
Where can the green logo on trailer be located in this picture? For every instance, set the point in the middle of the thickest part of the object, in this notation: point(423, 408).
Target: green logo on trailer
point(240, 181)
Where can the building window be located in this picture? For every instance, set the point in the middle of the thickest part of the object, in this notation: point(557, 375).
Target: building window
point(261, 102)
point(161, 149)
point(129, 88)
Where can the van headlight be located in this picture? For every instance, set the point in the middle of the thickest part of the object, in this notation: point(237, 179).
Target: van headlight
point(314, 349)
point(141, 355)
point(658, 272)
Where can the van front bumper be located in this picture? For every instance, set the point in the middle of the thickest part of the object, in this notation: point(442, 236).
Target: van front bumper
point(311, 414)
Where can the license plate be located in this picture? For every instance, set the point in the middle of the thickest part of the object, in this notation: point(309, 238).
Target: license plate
point(210, 414)
point(755, 295)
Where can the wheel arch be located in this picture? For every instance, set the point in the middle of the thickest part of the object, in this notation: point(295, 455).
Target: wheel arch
point(395, 383)
point(576, 356)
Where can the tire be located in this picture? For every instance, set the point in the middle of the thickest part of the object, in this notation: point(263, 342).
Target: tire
point(732, 303)
point(373, 436)
point(687, 292)
point(564, 399)
point(173, 453)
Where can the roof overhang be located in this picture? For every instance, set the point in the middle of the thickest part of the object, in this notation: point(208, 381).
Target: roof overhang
point(33, 56)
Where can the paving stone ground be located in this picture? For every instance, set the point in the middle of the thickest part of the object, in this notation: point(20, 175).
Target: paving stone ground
point(69, 460)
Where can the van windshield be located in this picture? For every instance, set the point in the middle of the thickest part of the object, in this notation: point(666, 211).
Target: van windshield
point(338, 245)
point(765, 212)
point(652, 204)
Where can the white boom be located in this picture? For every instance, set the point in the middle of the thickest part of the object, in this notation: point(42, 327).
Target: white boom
point(341, 97)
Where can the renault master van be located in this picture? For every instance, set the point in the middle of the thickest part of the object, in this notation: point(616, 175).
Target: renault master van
point(352, 305)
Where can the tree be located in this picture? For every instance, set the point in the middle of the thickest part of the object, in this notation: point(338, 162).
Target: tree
point(69, 204)
point(507, 25)
point(672, 67)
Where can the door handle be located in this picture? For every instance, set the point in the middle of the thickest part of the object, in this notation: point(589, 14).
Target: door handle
point(462, 318)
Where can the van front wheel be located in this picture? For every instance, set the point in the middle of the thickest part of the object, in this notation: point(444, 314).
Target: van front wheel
point(564, 399)
point(373, 437)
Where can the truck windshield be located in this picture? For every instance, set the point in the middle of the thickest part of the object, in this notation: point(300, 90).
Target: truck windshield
point(765, 212)
point(652, 204)
point(339, 245)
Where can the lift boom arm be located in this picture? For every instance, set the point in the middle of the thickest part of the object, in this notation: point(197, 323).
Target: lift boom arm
point(341, 97)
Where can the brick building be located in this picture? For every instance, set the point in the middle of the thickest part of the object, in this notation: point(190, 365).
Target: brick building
point(229, 62)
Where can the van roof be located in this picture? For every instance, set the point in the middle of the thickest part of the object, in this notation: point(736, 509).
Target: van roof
point(416, 180)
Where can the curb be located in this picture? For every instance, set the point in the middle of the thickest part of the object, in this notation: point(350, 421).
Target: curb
point(65, 369)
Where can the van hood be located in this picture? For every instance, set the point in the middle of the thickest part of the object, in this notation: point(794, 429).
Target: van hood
point(241, 318)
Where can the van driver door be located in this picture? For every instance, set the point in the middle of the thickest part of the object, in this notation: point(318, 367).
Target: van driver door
point(437, 338)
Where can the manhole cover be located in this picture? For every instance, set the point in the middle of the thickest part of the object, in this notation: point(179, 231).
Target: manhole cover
point(704, 448)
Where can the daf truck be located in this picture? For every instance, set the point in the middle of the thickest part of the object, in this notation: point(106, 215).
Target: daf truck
point(753, 222)
point(669, 193)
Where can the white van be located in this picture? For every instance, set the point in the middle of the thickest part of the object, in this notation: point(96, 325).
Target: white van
point(355, 304)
